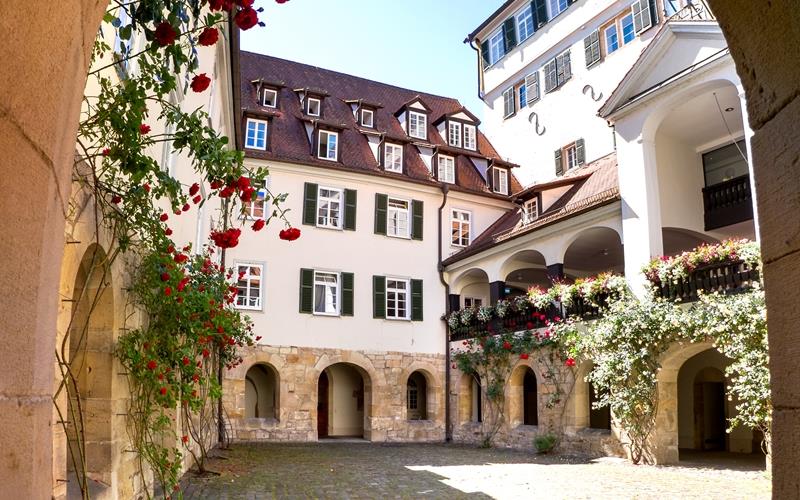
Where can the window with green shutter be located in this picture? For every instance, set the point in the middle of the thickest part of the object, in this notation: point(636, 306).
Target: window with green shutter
point(510, 34)
point(381, 202)
point(310, 204)
point(416, 300)
point(485, 54)
point(416, 219)
point(348, 280)
point(379, 296)
point(559, 163)
point(580, 151)
point(591, 46)
point(306, 291)
point(350, 209)
point(539, 8)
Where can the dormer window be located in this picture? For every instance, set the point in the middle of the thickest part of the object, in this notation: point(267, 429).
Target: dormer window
point(393, 158)
point(367, 118)
point(500, 180)
point(328, 146)
point(454, 134)
point(313, 106)
point(470, 134)
point(447, 169)
point(417, 125)
point(530, 211)
point(269, 97)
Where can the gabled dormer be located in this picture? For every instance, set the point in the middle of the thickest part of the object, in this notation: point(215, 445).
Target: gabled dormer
point(365, 113)
point(414, 117)
point(268, 92)
point(311, 101)
point(459, 129)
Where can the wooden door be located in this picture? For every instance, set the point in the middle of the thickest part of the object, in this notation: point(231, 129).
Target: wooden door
point(322, 406)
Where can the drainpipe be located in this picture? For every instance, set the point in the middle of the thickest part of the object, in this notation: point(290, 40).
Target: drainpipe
point(440, 268)
point(470, 41)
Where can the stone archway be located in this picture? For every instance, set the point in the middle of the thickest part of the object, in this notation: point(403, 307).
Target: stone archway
point(344, 401)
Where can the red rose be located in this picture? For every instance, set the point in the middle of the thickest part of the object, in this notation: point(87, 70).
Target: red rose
point(181, 258)
point(200, 82)
point(168, 291)
point(206, 353)
point(185, 439)
point(106, 152)
point(163, 391)
point(183, 283)
point(529, 326)
point(226, 239)
point(247, 194)
point(170, 248)
point(290, 234)
point(195, 377)
point(507, 345)
point(524, 355)
point(196, 199)
point(258, 338)
point(226, 192)
point(259, 225)
point(186, 361)
point(209, 36)
point(281, 1)
point(164, 276)
point(144, 129)
point(570, 362)
point(246, 18)
point(216, 184)
point(165, 34)
point(146, 186)
point(242, 183)
point(163, 217)
point(116, 199)
point(194, 189)
point(151, 365)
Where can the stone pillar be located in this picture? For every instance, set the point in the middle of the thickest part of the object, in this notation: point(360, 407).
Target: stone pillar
point(555, 271)
point(497, 291)
point(453, 302)
point(45, 54)
point(748, 140)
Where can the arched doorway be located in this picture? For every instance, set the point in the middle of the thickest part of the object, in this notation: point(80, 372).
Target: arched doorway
point(530, 396)
point(417, 397)
point(261, 392)
point(343, 401)
point(599, 418)
point(523, 397)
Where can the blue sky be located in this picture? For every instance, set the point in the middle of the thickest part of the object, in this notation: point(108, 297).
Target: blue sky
point(413, 43)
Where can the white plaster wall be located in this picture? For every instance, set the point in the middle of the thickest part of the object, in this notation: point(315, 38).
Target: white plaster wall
point(484, 211)
point(680, 184)
point(476, 291)
point(345, 419)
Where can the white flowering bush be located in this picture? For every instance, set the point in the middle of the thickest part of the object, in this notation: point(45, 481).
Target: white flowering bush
point(673, 269)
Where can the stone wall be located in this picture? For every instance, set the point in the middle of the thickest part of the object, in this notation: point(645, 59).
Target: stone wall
point(298, 370)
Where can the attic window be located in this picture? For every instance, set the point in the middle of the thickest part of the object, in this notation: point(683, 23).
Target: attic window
point(313, 106)
point(417, 125)
point(367, 118)
point(500, 180)
point(530, 211)
point(269, 97)
point(469, 137)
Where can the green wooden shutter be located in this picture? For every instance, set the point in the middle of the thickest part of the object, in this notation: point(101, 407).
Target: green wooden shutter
point(510, 34)
point(350, 209)
point(559, 164)
point(307, 291)
point(310, 204)
point(416, 219)
point(591, 46)
point(580, 151)
point(416, 300)
point(379, 296)
point(347, 294)
point(381, 205)
point(485, 54)
point(539, 9)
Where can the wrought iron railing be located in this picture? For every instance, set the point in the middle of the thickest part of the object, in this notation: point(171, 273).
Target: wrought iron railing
point(726, 277)
point(695, 10)
point(728, 202)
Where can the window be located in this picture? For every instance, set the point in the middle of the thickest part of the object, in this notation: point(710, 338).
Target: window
point(532, 87)
point(454, 134)
point(530, 211)
point(413, 394)
point(329, 208)
point(472, 302)
point(571, 152)
point(497, 47)
point(248, 288)
point(500, 180)
point(509, 107)
point(328, 145)
point(326, 293)
point(417, 125)
point(628, 33)
point(122, 48)
point(257, 208)
point(525, 23)
point(523, 96)
point(393, 158)
point(671, 7)
point(460, 222)
point(269, 97)
point(557, 7)
point(367, 118)
point(313, 106)
point(591, 47)
point(557, 71)
point(256, 136)
point(725, 163)
point(447, 169)
point(612, 39)
point(397, 298)
point(642, 15)
point(397, 216)
point(469, 137)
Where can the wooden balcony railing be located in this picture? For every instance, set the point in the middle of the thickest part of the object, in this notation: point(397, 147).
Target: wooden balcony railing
point(725, 277)
point(728, 202)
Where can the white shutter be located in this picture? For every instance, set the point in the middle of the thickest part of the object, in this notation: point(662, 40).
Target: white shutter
point(508, 102)
point(550, 76)
point(532, 87)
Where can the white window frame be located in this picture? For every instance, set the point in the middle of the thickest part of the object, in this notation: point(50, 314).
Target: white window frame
point(622, 40)
point(500, 180)
point(571, 154)
point(471, 139)
point(530, 211)
point(309, 100)
point(396, 154)
point(328, 145)
point(338, 293)
point(472, 302)
point(264, 92)
point(259, 305)
point(420, 131)
point(390, 210)
point(497, 47)
point(454, 133)
point(396, 291)
point(509, 102)
point(330, 199)
point(556, 7)
point(446, 169)
point(364, 114)
point(254, 143)
point(525, 18)
point(249, 207)
point(462, 219)
point(616, 34)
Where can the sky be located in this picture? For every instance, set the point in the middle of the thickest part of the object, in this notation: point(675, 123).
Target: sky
point(417, 44)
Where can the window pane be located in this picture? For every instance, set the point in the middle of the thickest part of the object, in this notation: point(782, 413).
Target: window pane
point(627, 29)
point(525, 24)
point(612, 41)
point(326, 293)
point(725, 163)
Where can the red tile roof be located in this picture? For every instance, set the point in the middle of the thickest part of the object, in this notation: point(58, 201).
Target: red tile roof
point(289, 142)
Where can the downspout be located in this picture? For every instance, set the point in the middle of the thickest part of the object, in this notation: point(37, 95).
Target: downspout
point(440, 268)
point(470, 41)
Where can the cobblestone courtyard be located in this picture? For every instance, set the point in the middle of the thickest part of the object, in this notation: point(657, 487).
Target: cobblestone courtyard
point(364, 470)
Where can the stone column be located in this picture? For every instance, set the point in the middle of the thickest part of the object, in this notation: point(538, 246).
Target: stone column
point(45, 53)
point(748, 140)
point(497, 291)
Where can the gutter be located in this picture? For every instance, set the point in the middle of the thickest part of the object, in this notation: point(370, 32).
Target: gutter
point(440, 267)
point(470, 41)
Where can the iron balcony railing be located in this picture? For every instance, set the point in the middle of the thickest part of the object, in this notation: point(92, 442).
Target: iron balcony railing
point(725, 277)
point(728, 202)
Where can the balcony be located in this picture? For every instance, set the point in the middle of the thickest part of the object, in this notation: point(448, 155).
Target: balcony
point(728, 202)
point(724, 277)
